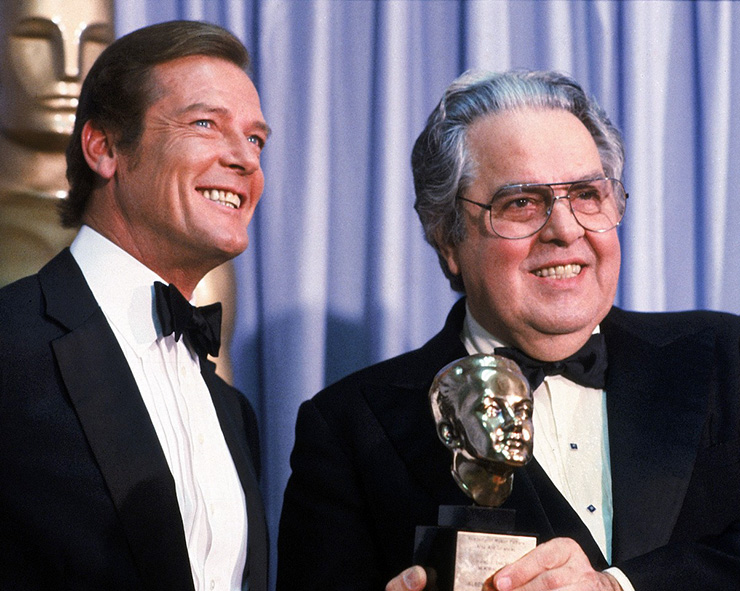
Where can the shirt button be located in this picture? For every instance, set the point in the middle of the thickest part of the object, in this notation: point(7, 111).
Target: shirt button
point(201, 439)
point(591, 508)
point(213, 584)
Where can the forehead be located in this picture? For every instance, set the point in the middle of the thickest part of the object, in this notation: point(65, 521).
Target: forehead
point(532, 145)
point(203, 80)
point(494, 382)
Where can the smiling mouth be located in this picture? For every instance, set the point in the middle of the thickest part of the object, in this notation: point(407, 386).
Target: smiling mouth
point(559, 271)
point(226, 198)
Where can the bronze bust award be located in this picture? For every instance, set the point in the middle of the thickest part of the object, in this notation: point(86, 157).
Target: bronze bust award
point(482, 407)
point(46, 49)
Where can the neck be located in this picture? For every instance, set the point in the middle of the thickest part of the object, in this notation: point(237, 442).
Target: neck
point(184, 275)
point(33, 172)
point(554, 347)
point(488, 485)
point(173, 266)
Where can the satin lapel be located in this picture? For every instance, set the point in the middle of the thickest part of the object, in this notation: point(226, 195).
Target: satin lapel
point(235, 433)
point(406, 420)
point(653, 434)
point(403, 410)
point(117, 426)
point(542, 509)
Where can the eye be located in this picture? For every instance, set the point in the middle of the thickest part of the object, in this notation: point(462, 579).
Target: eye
point(523, 409)
point(519, 203)
point(205, 123)
point(586, 193)
point(516, 202)
point(36, 28)
point(489, 408)
point(257, 140)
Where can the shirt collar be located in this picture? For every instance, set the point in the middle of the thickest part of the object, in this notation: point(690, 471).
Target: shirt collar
point(122, 286)
point(476, 338)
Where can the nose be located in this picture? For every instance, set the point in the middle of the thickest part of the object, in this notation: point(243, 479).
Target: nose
point(509, 416)
point(241, 155)
point(562, 225)
point(70, 58)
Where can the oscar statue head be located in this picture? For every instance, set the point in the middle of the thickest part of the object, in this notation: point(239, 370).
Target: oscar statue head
point(482, 406)
point(46, 48)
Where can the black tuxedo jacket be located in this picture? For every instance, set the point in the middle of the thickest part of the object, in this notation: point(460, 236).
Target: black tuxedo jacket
point(87, 500)
point(368, 466)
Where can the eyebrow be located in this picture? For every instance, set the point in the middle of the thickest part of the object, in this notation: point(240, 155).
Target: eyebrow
point(206, 108)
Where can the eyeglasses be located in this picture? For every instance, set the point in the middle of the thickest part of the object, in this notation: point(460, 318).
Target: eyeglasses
point(520, 211)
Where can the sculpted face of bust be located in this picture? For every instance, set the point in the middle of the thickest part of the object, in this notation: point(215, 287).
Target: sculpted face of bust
point(484, 410)
point(47, 47)
point(496, 415)
point(482, 406)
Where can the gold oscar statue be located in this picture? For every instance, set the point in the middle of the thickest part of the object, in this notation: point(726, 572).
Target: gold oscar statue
point(46, 49)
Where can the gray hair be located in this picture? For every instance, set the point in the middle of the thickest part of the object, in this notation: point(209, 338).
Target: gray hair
point(441, 162)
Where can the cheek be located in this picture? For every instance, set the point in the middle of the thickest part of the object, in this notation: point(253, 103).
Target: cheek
point(32, 63)
point(258, 185)
point(497, 267)
point(608, 251)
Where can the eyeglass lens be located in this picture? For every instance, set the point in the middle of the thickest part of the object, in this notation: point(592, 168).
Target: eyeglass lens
point(521, 210)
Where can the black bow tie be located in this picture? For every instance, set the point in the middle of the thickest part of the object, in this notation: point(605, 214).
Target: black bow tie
point(201, 326)
point(586, 367)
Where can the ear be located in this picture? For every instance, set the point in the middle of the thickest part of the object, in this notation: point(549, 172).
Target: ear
point(99, 151)
point(449, 253)
point(449, 435)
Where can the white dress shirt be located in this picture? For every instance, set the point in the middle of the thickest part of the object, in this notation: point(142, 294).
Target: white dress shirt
point(571, 443)
point(167, 372)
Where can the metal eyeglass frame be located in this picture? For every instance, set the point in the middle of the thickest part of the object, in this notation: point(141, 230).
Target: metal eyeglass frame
point(567, 196)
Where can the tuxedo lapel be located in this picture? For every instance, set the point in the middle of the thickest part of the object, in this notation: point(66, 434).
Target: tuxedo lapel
point(235, 434)
point(405, 414)
point(117, 427)
point(653, 434)
point(542, 508)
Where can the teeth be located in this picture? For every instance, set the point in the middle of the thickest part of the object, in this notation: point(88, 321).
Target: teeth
point(226, 198)
point(560, 271)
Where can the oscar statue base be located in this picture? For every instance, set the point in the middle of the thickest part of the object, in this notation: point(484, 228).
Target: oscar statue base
point(468, 546)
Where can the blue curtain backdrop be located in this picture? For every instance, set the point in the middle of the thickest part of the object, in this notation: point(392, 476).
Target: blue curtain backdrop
point(337, 274)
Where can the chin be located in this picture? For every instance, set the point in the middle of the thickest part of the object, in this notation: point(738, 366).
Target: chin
point(567, 324)
point(516, 459)
point(231, 246)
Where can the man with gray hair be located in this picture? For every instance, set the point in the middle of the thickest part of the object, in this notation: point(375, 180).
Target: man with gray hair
point(636, 470)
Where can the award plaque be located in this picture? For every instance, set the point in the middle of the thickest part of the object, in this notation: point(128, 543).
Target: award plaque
point(482, 406)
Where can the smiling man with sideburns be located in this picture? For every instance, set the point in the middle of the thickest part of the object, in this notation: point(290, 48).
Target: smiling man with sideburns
point(125, 461)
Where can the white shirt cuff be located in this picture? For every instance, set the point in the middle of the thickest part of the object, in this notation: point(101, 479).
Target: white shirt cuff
point(622, 579)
